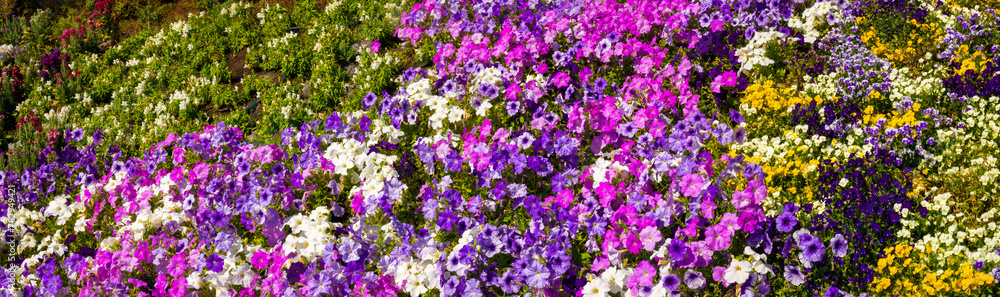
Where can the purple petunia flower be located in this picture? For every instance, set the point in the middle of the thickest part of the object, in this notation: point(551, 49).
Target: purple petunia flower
point(835, 292)
point(812, 249)
point(513, 107)
point(536, 275)
point(489, 90)
point(785, 222)
point(677, 250)
point(214, 263)
point(671, 281)
point(627, 129)
point(693, 279)
point(794, 275)
point(368, 101)
point(838, 245)
point(525, 140)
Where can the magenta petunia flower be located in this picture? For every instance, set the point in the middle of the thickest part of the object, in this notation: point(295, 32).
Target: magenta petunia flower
point(564, 198)
point(178, 155)
point(178, 288)
point(375, 46)
point(716, 25)
point(708, 208)
point(541, 68)
point(259, 259)
point(606, 192)
point(691, 230)
point(177, 265)
point(161, 284)
point(691, 184)
point(561, 79)
point(199, 172)
point(748, 220)
point(726, 79)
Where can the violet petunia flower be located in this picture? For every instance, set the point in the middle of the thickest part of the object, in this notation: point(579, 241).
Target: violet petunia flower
point(838, 245)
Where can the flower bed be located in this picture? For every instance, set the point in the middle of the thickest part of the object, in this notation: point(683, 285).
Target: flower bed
point(586, 148)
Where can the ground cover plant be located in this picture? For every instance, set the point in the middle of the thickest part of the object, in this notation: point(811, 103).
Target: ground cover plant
point(505, 148)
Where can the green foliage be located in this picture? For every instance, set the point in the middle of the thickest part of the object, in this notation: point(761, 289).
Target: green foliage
point(22, 152)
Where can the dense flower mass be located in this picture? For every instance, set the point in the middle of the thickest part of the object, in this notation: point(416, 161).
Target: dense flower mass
point(561, 147)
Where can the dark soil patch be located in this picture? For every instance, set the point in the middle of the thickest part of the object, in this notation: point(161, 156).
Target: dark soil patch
point(237, 62)
point(179, 11)
point(273, 76)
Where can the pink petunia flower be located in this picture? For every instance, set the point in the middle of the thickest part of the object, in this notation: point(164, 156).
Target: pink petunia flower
point(691, 184)
point(691, 230)
point(643, 276)
point(600, 263)
point(178, 155)
point(649, 236)
point(729, 220)
point(718, 274)
point(718, 237)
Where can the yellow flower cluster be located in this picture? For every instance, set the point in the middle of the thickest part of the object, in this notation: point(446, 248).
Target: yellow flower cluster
point(976, 61)
point(902, 264)
point(788, 162)
point(923, 38)
point(895, 119)
point(767, 97)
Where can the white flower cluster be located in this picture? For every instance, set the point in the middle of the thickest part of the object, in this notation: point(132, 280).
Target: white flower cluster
point(905, 85)
point(973, 238)
point(753, 53)
point(267, 9)
point(332, 6)
point(58, 116)
point(183, 99)
point(372, 168)
point(22, 218)
point(59, 208)
point(282, 41)
point(6, 52)
point(236, 8)
point(814, 16)
point(51, 246)
point(969, 150)
point(421, 274)
point(309, 234)
point(420, 91)
point(369, 63)
point(169, 210)
point(181, 27)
